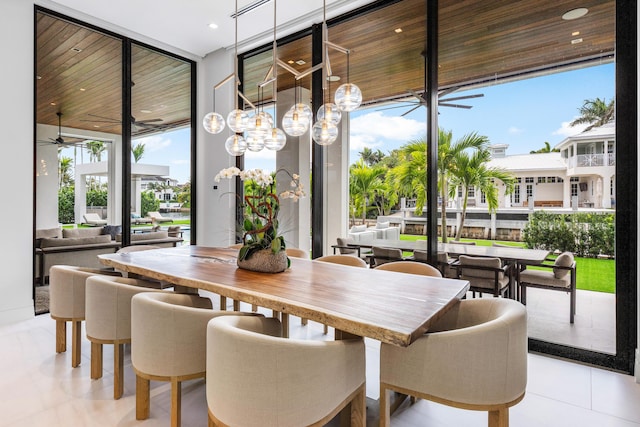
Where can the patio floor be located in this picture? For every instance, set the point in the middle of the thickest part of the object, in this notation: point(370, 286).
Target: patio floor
point(595, 321)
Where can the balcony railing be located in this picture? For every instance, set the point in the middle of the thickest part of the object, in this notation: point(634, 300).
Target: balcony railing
point(587, 160)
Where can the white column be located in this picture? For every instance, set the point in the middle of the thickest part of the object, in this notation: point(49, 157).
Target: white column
point(336, 184)
point(294, 217)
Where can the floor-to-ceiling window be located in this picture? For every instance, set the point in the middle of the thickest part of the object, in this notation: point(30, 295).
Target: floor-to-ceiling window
point(114, 132)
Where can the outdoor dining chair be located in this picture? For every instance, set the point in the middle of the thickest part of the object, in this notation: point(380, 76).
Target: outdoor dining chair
point(486, 274)
point(559, 276)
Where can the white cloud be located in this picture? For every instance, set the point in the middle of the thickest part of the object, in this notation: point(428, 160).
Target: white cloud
point(567, 130)
point(153, 143)
point(513, 130)
point(374, 129)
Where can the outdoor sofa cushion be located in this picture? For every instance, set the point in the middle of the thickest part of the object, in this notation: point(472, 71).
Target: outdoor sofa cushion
point(564, 260)
point(81, 232)
point(49, 242)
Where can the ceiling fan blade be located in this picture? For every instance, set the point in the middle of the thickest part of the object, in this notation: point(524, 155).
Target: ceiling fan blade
point(412, 109)
point(446, 92)
point(444, 104)
point(405, 105)
point(457, 98)
point(112, 120)
point(418, 95)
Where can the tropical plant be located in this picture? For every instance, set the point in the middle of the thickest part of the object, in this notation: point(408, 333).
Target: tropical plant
point(137, 151)
point(364, 181)
point(595, 113)
point(65, 174)
point(66, 205)
point(546, 149)
point(409, 177)
point(261, 208)
point(448, 153)
point(371, 157)
point(471, 170)
point(95, 149)
point(148, 202)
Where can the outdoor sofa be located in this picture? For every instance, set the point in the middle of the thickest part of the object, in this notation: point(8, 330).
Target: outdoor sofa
point(81, 246)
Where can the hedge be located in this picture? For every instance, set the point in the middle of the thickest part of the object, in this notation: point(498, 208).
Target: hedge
point(585, 234)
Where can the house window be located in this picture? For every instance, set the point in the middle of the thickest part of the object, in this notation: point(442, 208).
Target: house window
point(483, 197)
point(542, 180)
point(471, 192)
point(529, 191)
point(516, 192)
point(529, 180)
point(551, 179)
point(574, 189)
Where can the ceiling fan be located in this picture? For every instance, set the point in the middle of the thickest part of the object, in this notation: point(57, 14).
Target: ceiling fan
point(443, 102)
point(149, 123)
point(60, 140)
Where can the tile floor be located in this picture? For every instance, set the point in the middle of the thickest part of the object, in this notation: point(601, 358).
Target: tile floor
point(39, 388)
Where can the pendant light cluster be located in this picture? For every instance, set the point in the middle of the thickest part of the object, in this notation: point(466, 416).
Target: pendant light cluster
point(347, 98)
point(260, 131)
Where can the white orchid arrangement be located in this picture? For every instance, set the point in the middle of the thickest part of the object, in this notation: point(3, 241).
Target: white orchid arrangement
point(261, 207)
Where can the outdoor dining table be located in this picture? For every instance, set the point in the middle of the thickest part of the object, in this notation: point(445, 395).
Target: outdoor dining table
point(507, 254)
point(386, 306)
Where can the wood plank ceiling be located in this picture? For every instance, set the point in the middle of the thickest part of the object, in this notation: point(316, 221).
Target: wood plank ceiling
point(481, 42)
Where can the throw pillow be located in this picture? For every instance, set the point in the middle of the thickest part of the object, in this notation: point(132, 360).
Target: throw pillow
point(564, 260)
point(382, 225)
point(358, 228)
point(112, 230)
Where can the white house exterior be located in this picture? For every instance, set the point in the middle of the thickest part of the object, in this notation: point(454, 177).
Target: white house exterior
point(580, 175)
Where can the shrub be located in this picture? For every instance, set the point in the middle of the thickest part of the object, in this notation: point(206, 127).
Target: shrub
point(66, 203)
point(585, 234)
point(148, 202)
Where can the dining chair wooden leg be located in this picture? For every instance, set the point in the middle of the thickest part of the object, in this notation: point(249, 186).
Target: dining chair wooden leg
point(304, 321)
point(499, 417)
point(142, 398)
point(176, 398)
point(223, 303)
point(118, 370)
point(385, 411)
point(254, 307)
point(285, 324)
point(76, 341)
point(236, 305)
point(61, 336)
point(326, 329)
point(211, 422)
point(359, 408)
point(96, 360)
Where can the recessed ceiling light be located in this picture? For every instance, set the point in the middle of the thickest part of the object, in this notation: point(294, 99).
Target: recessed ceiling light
point(301, 62)
point(213, 26)
point(145, 111)
point(291, 61)
point(398, 30)
point(96, 126)
point(575, 13)
point(82, 89)
point(38, 77)
point(576, 41)
point(53, 103)
point(575, 33)
point(333, 78)
point(75, 49)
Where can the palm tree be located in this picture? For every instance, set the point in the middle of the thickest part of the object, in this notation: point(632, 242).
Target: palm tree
point(471, 171)
point(363, 182)
point(371, 157)
point(96, 148)
point(595, 112)
point(64, 172)
point(137, 151)
point(448, 152)
point(546, 149)
point(410, 175)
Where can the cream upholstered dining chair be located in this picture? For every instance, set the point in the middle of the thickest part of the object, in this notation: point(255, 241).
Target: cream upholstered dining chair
point(67, 304)
point(168, 341)
point(411, 267)
point(256, 378)
point(486, 274)
point(474, 357)
point(297, 253)
point(443, 260)
point(559, 276)
point(383, 255)
point(108, 321)
point(344, 260)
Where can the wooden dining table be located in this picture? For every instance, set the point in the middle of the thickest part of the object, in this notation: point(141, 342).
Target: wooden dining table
point(394, 308)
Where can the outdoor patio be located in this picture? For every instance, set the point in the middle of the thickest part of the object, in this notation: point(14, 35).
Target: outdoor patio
point(595, 322)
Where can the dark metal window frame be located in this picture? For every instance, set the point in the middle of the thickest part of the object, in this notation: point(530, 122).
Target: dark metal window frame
point(626, 174)
point(127, 43)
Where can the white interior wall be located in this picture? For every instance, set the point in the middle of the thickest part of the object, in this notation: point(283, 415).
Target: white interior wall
point(17, 171)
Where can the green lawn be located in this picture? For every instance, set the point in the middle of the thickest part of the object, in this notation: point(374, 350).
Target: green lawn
point(591, 274)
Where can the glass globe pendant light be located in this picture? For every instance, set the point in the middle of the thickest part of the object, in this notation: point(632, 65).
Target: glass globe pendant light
point(324, 132)
point(238, 120)
point(235, 145)
point(329, 112)
point(293, 124)
point(213, 122)
point(275, 140)
point(348, 97)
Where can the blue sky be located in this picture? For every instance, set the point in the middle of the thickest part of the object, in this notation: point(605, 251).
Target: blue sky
point(523, 114)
